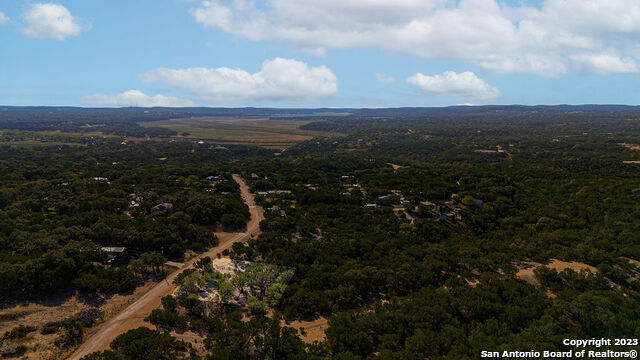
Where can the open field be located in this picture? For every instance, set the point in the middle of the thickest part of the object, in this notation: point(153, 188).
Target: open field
point(257, 131)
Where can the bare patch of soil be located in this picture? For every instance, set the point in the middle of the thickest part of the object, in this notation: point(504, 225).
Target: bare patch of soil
point(311, 331)
point(41, 346)
point(630, 146)
point(526, 269)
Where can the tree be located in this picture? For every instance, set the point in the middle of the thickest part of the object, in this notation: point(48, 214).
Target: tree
point(169, 303)
point(146, 344)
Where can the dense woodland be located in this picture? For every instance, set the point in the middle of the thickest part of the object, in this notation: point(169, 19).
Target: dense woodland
point(60, 204)
point(415, 260)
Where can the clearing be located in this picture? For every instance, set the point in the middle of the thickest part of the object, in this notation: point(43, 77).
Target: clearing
point(274, 134)
point(630, 146)
point(38, 314)
point(526, 269)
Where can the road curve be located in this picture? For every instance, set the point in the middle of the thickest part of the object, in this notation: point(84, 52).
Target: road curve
point(133, 316)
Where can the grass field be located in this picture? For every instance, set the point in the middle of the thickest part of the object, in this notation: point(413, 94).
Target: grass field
point(257, 131)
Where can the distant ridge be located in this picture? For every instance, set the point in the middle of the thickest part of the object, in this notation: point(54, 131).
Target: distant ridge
point(140, 114)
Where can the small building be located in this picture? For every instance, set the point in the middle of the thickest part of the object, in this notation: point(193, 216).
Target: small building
point(279, 192)
point(347, 194)
point(383, 197)
point(161, 207)
point(276, 210)
point(115, 254)
point(478, 203)
point(371, 205)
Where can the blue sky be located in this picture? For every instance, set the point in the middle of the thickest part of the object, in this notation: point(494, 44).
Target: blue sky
point(303, 53)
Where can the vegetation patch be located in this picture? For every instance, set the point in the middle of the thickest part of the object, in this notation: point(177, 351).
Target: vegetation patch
point(237, 283)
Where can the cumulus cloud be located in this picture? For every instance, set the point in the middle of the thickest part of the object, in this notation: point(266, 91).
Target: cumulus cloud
point(134, 98)
point(605, 64)
point(385, 79)
point(279, 79)
point(503, 37)
point(50, 21)
point(4, 18)
point(465, 85)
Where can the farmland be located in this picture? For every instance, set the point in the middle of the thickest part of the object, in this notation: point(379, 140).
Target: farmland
point(260, 131)
point(276, 134)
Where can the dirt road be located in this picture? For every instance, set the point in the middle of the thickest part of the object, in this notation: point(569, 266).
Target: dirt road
point(133, 316)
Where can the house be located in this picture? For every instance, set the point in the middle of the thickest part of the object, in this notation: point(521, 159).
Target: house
point(254, 176)
point(447, 215)
point(211, 178)
point(114, 254)
point(161, 207)
point(478, 203)
point(276, 210)
point(113, 249)
point(279, 192)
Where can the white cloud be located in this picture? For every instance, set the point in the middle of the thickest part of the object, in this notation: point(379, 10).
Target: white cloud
point(50, 21)
point(385, 79)
point(465, 85)
point(134, 98)
point(4, 18)
point(505, 37)
point(279, 79)
point(605, 64)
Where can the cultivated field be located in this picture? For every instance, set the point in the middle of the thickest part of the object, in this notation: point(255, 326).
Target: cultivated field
point(276, 134)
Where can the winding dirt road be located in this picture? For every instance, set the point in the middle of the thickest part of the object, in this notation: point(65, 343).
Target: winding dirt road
point(133, 316)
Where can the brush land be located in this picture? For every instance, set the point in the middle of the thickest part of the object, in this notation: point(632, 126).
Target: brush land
point(415, 233)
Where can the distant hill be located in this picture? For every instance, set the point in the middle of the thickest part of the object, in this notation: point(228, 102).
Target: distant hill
point(158, 113)
point(124, 121)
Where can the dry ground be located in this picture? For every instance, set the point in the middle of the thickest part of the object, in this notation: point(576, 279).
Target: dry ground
point(37, 314)
point(630, 146)
point(526, 269)
point(313, 330)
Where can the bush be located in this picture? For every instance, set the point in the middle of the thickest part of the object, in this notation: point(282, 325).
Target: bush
point(70, 333)
point(10, 348)
point(169, 303)
point(18, 332)
point(147, 344)
point(50, 327)
point(168, 319)
point(89, 317)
